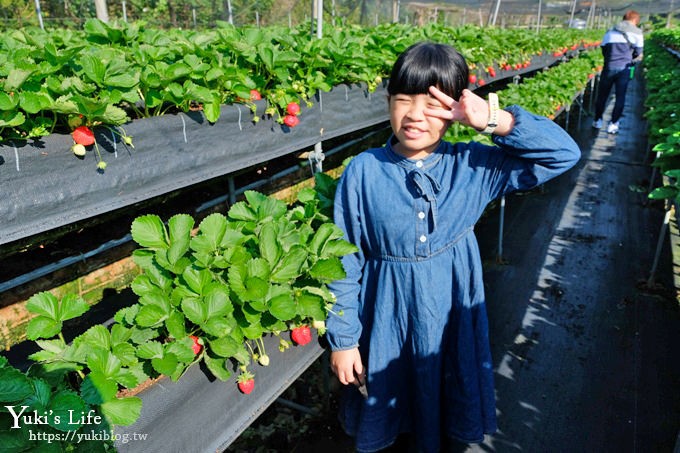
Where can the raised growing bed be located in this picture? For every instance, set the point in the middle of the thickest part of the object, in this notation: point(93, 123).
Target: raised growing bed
point(200, 414)
point(50, 187)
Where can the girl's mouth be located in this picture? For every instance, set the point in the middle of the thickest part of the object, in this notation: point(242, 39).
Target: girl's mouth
point(412, 133)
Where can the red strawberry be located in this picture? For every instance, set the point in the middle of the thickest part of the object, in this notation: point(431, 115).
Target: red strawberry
point(491, 71)
point(301, 335)
point(472, 78)
point(255, 95)
point(246, 383)
point(293, 108)
point(196, 347)
point(83, 135)
point(291, 120)
point(481, 82)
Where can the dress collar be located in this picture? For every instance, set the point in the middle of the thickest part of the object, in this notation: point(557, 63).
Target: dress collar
point(424, 163)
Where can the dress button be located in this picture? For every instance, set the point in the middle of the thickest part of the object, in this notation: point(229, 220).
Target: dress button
point(419, 163)
point(423, 238)
point(421, 215)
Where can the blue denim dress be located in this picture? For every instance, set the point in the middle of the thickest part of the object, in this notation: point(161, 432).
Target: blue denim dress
point(413, 298)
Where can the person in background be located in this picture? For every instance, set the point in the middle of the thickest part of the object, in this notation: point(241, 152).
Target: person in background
point(409, 330)
point(622, 49)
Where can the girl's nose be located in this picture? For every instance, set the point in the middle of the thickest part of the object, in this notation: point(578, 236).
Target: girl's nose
point(415, 111)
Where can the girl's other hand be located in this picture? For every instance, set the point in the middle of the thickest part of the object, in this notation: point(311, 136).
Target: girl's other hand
point(347, 366)
point(469, 110)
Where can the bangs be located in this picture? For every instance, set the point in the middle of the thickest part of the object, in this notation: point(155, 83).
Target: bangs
point(428, 64)
point(413, 79)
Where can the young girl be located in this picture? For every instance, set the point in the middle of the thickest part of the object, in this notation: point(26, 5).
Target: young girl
point(412, 335)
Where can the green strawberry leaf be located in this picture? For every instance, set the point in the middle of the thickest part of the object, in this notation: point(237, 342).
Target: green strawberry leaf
point(61, 406)
point(283, 307)
point(269, 247)
point(218, 367)
point(196, 279)
point(42, 393)
point(327, 270)
point(41, 327)
point(167, 364)
point(225, 346)
point(97, 388)
point(212, 230)
point(194, 310)
point(122, 411)
point(290, 265)
point(150, 350)
point(14, 385)
point(181, 349)
point(179, 229)
point(312, 306)
point(175, 324)
point(149, 231)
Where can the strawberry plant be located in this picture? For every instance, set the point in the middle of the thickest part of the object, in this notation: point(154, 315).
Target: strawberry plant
point(661, 73)
point(209, 295)
point(41, 404)
point(110, 74)
point(238, 278)
point(69, 380)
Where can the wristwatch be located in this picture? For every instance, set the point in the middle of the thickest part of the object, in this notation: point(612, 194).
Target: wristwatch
point(493, 114)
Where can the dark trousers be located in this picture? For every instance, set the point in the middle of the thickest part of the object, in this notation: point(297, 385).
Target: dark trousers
point(618, 78)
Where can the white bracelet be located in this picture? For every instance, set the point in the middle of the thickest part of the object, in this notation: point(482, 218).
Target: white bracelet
point(493, 114)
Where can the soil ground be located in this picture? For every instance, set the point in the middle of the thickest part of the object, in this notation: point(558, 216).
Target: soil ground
point(584, 337)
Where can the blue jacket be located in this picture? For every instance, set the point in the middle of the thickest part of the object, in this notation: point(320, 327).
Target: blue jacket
point(621, 45)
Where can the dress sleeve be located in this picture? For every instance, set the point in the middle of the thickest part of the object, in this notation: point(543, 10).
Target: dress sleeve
point(535, 151)
point(343, 326)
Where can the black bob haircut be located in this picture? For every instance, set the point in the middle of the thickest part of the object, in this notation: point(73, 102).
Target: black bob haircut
point(426, 64)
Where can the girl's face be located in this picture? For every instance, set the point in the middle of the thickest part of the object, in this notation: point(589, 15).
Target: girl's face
point(418, 134)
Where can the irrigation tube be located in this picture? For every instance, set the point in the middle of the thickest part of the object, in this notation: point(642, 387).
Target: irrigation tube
point(42, 271)
point(231, 197)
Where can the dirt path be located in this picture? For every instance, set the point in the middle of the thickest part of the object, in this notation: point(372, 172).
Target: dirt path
point(586, 356)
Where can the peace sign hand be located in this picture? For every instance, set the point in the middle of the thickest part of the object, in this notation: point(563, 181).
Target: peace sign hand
point(469, 110)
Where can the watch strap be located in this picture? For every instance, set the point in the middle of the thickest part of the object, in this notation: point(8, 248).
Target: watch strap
point(493, 114)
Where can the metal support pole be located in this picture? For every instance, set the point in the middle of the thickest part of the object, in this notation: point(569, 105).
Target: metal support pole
point(316, 158)
point(319, 19)
point(232, 190)
point(659, 243)
point(495, 13)
point(501, 221)
point(39, 14)
point(651, 181)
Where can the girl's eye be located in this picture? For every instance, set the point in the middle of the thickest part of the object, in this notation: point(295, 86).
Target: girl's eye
point(435, 105)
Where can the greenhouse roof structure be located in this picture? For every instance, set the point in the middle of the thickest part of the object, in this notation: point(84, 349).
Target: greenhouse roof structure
point(580, 7)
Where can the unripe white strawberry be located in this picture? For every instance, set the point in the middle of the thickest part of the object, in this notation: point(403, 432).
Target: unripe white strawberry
point(78, 149)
